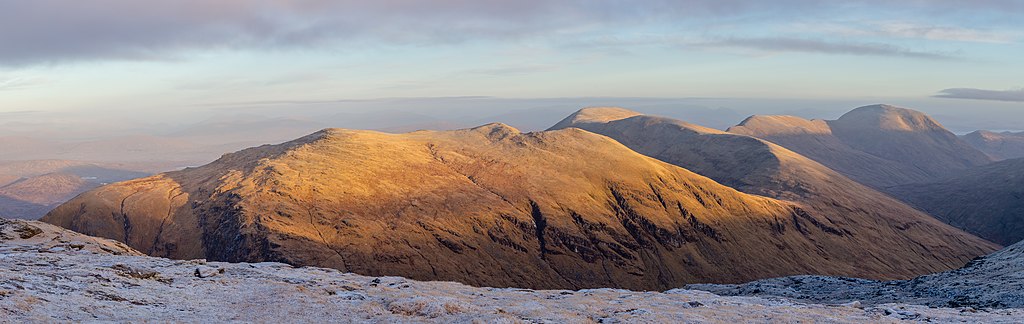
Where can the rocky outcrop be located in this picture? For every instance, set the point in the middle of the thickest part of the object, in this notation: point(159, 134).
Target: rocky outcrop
point(491, 206)
point(18, 236)
point(879, 145)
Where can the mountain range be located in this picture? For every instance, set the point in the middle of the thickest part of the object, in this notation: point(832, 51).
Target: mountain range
point(493, 206)
point(851, 211)
point(879, 145)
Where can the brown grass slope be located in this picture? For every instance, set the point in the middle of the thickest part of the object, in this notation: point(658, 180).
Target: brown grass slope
point(999, 146)
point(879, 145)
point(489, 206)
point(987, 200)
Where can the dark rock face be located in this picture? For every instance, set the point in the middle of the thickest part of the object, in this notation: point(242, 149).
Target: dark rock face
point(491, 206)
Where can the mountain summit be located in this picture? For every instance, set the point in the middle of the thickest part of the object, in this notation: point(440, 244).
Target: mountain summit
point(889, 118)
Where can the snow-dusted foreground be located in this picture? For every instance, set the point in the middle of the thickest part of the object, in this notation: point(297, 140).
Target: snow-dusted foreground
point(48, 274)
point(993, 281)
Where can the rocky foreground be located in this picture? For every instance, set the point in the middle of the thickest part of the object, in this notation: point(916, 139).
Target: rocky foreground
point(994, 281)
point(49, 274)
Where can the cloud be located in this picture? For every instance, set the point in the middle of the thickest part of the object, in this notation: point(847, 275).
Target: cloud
point(913, 30)
point(54, 31)
point(19, 113)
point(18, 83)
point(1016, 95)
point(806, 45)
point(945, 33)
point(514, 70)
point(36, 32)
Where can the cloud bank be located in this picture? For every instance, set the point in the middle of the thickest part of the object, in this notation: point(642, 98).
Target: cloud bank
point(981, 94)
point(16, 83)
point(784, 44)
point(40, 32)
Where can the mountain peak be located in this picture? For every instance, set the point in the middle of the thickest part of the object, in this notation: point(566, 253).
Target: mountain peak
point(595, 115)
point(779, 124)
point(888, 117)
point(496, 131)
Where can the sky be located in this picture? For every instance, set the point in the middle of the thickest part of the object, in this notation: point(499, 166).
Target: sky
point(167, 61)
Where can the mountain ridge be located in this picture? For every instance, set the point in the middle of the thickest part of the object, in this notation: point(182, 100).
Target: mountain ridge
point(486, 206)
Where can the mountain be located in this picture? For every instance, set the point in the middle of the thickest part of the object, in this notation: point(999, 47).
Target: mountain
point(33, 197)
point(30, 189)
point(491, 206)
point(993, 281)
point(987, 201)
point(759, 167)
point(879, 145)
point(55, 275)
point(46, 189)
point(999, 146)
point(743, 162)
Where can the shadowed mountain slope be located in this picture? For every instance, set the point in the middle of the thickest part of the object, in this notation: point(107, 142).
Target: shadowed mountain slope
point(877, 145)
point(492, 206)
point(987, 201)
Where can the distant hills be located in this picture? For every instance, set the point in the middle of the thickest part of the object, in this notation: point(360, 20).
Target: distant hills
point(910, 156)
point(29, 189)
point(879, 145)
point(999, 146)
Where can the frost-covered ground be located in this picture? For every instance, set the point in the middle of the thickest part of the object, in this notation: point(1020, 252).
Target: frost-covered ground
point(994, 281)
point(48, 274)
